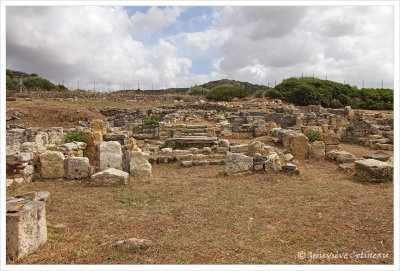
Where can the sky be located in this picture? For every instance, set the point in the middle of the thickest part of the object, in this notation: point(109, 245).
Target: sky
point(113, 47)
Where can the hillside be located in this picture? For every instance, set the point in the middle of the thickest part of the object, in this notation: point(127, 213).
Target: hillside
point(30, 81)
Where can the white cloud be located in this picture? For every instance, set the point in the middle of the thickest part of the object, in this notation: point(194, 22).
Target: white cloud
point(352, 43)
point(256, 44)
point(155, 18)
point(86, 44)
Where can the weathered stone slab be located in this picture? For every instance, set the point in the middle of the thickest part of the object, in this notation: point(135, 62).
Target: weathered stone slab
point(371, 170)
point(26, 229)
point(77, 167)
point(192, 141)
point(273, 162)
point(110, 155)
point(239, 148)
point(317, 149)
point(381, 156)
point(139, 164)
point(109, 177)
point(52, 165)
point(236, 163)
point(299, 146)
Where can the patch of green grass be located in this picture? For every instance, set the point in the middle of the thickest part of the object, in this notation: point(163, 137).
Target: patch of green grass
point(74, 136)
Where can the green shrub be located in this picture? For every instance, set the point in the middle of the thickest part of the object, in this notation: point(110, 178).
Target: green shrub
point(314, 136)
point(108, 130)
point(196, 90)
point(74, 136)
point(226, 93)
point(308, 90)
point(36, 82)
point(180, 145)
point(273, 93)
point(151, 120)
point(12, 83)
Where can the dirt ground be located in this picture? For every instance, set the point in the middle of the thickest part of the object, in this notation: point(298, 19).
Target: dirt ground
point(45, 113)
point(199, 216)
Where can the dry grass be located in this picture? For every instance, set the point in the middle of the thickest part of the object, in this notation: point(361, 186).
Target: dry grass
point(198, 216)
point(359, 151)
point(45, 113)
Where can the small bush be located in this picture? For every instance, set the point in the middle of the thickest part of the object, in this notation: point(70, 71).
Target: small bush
point(108, 130)
point(314, 136)
point(226, 93)
point(221, 112)
point(151, 120)
point(180, 145)
point(74, 136)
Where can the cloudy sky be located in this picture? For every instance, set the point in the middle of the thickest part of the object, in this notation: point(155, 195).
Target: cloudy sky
point(119, 47)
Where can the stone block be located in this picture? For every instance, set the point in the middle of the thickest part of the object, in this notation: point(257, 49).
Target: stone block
point(52, 165)
point(236, 163)
point(26, 229)
point(317, 149)
point(77, 168)
point(110, 155)
point(371, 170)
point(139, 164)
point(299, 146)
point(109, 177)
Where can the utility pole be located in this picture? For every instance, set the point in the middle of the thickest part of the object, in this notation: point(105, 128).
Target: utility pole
point(138, 86)
point(275, 83)
point(363, 84)
point(326, 77)
point(63, 81)
point(301, 76)
point(382, 84)
point(108, 86)
point(78, 84)
point(152, 88)
point(94, 85)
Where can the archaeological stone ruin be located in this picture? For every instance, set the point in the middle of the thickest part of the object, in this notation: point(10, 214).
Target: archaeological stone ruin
point(121, 149)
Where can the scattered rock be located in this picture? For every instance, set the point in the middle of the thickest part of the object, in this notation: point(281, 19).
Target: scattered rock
point(371, 170)
point(134, 243)
point(109, 177)
point(236, 163)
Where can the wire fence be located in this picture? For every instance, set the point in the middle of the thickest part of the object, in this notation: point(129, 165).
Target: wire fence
point(110, 86)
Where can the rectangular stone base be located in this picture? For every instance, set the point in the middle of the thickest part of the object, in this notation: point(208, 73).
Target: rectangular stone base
point(26, 229)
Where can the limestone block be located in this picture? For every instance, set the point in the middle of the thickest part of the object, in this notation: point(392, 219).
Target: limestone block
point(77, 167)
point(110, 155)
point(236, 163)
point(52, 164)
point(299, 146)
point(26, 229)
point(239, 148)
point(317, 149)
point(109, 177)
point(372, 170)
point(273, 163)
point(139, 164)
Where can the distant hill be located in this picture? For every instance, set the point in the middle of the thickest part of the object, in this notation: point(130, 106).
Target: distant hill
point(30, 81)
